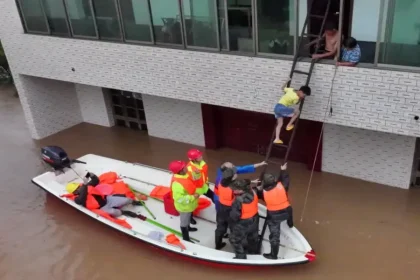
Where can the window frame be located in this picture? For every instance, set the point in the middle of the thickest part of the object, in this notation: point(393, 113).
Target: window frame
point(241, 53)
point(218, 47)
point(152, 35)
point(108, 39)
point(94, 23)
point(295, 35)
point(175, 46)
point(227, 50)
point(26, 24)
point(70, 35)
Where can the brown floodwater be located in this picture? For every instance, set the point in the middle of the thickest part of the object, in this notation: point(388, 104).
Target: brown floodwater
point(359, 230)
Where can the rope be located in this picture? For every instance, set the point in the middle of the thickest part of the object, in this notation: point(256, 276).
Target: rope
point(319, 143)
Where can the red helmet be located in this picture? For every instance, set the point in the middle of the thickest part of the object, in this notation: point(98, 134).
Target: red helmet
point(194, 154)
point(176, 166)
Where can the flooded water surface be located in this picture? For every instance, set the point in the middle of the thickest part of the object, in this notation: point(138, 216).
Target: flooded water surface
point(359, 230)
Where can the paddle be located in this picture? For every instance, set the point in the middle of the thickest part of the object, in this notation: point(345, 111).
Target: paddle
point(142, 202)
point(144, 218)
point(157, 199)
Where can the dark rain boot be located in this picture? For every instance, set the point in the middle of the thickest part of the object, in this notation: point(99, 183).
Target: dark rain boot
point(273, 254)
point(136, 203)
point(186, 234)
point(219, 242)
point(129, 213)
point(193, 221)
point(192, 228)
point(240, 256)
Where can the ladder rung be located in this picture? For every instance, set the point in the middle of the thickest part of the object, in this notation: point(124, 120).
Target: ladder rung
point(301, 72)
point(280, 146)
point(274, 162)
point(310, 35)
point(317, 16)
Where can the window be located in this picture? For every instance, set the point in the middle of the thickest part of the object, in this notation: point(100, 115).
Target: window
point(364, 27)
point(136, 20)
point(166, 21)
point(80, 16)
point(200, 23)
point(223, 25)
point(56, 16)
point(276, 26)
point(34, 16)
point(240, 25)
point(400, 42)
point(107, 19)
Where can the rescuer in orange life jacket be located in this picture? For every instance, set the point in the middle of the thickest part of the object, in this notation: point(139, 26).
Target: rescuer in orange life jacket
point(87, 196)
point(197, 170)
point(244, 219)
point(226, 198)
point(274, 193)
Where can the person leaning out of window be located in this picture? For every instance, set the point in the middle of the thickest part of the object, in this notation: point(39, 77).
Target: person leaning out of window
point(350, 53)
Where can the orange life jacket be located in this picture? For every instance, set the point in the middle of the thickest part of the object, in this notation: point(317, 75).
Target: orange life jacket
point(188, 185)
point(118, 187)
point(226, 196)
point(251, 209)
point(199, 175)
point(276, 198)
point(91, 202)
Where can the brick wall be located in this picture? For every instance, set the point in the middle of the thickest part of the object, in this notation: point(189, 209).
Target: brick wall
point(366, 98)
point(379, 157)
point(94, 106)
point(177, 120)
point(49, 106)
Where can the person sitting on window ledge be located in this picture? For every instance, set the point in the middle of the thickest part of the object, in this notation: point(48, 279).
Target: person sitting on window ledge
point(350, 53)
point(330, 38)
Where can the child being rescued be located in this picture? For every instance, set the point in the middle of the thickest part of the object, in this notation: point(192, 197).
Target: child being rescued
point(88, 196)
point(283, 107)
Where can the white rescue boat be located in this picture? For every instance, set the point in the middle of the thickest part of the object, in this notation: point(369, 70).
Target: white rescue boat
point(294, 248)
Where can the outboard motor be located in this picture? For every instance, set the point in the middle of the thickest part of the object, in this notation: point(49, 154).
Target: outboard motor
point(56, 157)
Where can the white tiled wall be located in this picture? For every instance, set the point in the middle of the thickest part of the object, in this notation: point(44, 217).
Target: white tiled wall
point(93, 105)
point(49, 105)
point(367, 98)
point(173, 119)
point(369, 155)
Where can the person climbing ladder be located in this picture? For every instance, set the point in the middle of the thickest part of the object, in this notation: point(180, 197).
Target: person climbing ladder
point(283, 107)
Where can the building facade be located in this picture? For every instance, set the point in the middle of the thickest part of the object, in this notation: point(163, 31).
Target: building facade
point(193, 62)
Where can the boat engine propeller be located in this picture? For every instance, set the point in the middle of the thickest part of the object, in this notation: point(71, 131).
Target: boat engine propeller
point(57, 158)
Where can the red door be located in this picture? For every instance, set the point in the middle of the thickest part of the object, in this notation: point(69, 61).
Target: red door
point(252, 131)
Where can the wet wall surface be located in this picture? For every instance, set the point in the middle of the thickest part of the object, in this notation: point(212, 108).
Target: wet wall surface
point(359, 230)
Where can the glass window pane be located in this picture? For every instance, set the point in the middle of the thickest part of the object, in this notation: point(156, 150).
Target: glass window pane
point(34, 16)
point(56, 16)
point(80, 17)
point(400, 44)
point(240, 26)
point(276, 26)
point(364, 27)
point(136, 20)
point(222, 24)
point(200, 23)
point(107, 19)
point(166, 21)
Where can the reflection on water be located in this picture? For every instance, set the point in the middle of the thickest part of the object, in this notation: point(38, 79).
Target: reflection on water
point(359, 230)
